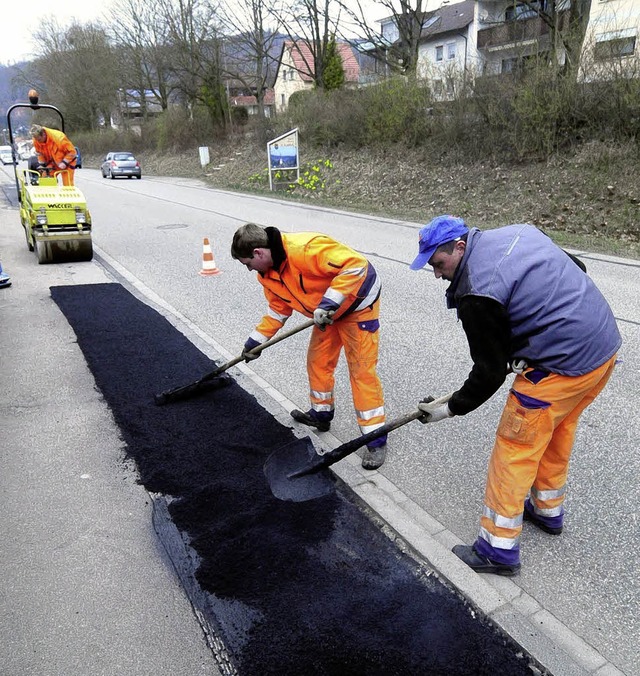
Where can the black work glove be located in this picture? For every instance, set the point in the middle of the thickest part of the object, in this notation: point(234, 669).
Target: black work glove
point(249, 345)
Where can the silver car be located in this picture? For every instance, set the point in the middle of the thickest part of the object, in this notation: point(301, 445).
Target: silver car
point(120, 164)
point(6, 157)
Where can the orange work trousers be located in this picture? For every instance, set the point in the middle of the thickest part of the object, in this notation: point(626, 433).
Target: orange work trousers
point(67, 176)
point(353, 333)
point(532, 451)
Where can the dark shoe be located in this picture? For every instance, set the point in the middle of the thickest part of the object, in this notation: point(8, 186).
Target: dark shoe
point(530, 515)
point(374, 457)
point(310, 420)
point(481, 564)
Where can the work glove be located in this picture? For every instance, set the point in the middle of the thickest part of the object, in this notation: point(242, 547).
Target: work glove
point(62, 165)
point(519, 366)
point(433, 412)
point(249, 345)
point(322, 317)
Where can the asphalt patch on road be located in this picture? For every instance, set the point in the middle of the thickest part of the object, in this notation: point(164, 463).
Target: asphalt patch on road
point(312, 588)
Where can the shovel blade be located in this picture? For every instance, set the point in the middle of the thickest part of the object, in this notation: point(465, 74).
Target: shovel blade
point(286, 461)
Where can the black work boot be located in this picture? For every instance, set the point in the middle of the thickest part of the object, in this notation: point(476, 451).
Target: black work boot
point(310, 418)
point(539, 522)
point(481, 564)
point(372, 458)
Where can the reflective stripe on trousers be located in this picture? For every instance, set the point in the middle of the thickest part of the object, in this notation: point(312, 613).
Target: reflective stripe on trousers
point(361, 352)
point(532, 451)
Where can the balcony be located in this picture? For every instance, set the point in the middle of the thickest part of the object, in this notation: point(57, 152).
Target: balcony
point(517, 31)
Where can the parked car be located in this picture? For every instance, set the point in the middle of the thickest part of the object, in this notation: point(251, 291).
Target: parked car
point(120, 164)
point(6, 156)
point(78, 158)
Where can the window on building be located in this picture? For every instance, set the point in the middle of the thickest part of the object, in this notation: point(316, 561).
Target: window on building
point(451, 50)
point(440, 53)
point(518, 64)
point(282, 100)
point(519, 11)
point(284, 75)
point(614, 48)
point(509, 65)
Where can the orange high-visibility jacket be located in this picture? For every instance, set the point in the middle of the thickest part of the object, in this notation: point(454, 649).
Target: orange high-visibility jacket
point(315, 266)
point(56, 148)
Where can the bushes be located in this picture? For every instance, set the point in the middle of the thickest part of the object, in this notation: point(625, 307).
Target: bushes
point(532, 114)
point(394, 111)
point(106, 140)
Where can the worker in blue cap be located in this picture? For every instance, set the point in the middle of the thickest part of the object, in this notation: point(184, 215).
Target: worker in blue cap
point(527, 307)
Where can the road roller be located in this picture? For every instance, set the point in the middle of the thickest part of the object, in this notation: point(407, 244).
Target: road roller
point(55, 217)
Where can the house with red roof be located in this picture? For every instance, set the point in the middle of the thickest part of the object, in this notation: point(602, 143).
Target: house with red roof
point(250, 102)
point(296, 70)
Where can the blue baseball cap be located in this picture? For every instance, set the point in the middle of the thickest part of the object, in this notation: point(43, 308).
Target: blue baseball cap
point(441, 230)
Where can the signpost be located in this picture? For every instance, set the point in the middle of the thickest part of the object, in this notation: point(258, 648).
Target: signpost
point(282, 155)
point(203, 151)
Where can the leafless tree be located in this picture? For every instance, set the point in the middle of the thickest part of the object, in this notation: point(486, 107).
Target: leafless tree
point(567, 21)
point(250, 56)
point(144, 55)
point(194, 30)
point(312, 24)
point(409, 17)
point(79, 68)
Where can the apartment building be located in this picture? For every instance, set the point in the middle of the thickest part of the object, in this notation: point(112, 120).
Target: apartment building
point(612, 45)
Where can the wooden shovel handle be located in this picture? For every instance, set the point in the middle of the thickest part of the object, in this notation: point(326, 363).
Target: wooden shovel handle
point(187, 391)
point(257, 350)
point(281, 336)
point(350, 446)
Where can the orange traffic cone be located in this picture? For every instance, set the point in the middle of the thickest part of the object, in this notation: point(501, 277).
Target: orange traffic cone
point(208, 264)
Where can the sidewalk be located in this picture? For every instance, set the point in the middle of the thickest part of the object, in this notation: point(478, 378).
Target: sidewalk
point(87, 588)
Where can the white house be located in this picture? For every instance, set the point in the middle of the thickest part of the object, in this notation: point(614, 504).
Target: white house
point(612, 44)
point(463, 39)
point(447, 50)
point(296, 70)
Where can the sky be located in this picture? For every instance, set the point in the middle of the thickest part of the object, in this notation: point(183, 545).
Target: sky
point(21, 19)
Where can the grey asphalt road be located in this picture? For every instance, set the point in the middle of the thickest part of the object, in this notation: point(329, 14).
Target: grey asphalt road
point(578, 593)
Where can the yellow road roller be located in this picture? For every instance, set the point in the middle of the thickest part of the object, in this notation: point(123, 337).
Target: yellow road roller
point(55, 218)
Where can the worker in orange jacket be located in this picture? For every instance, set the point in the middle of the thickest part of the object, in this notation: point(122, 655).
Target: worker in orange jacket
point(321, 278)
point(54, 151)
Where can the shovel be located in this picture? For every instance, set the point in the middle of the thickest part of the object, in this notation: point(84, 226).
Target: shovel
point(211, 381)
point(297, 473)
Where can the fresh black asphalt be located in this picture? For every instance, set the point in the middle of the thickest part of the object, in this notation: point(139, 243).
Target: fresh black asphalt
point(313, 588)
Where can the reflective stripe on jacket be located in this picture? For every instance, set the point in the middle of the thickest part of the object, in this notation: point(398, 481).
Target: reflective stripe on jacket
point(314, 270)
